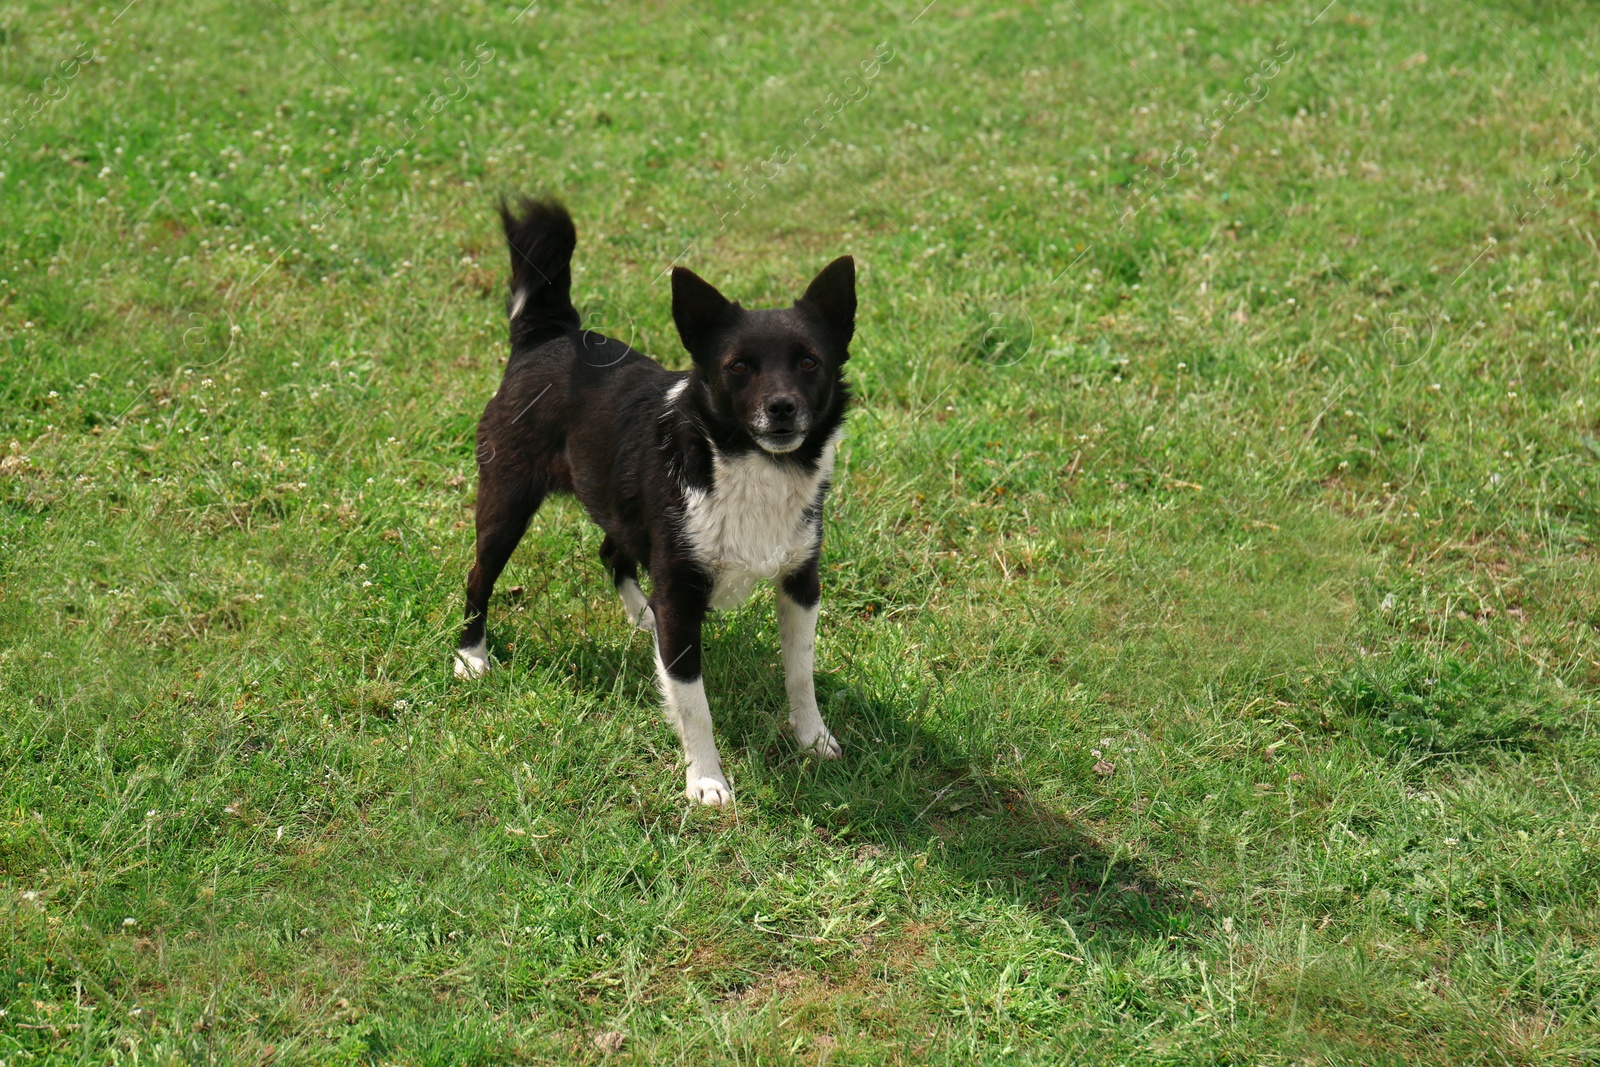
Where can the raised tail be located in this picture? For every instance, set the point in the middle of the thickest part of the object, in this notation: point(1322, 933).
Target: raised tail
point(541, 237)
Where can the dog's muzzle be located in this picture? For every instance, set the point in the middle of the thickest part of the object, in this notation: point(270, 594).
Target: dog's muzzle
point(781, 426)
point(780, 443)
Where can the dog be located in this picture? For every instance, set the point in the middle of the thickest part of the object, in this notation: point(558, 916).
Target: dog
point(710, 480)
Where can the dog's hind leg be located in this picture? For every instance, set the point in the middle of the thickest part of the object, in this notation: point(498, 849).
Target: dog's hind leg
point(625, 575)
point(798, 600)
point(506, 502)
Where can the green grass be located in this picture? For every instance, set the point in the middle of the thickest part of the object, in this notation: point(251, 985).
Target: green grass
point(1210, 588)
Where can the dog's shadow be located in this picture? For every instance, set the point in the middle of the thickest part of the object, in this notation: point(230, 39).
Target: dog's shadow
point(904, 786)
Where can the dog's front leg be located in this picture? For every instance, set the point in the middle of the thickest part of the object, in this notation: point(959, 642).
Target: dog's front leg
point(799, 598)
point(680, 610)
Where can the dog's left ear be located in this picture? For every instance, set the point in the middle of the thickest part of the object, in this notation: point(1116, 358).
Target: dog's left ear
point(698, 310)
point(832, 297)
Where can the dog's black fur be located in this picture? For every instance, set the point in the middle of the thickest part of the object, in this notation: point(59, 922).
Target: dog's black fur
point(586, 414)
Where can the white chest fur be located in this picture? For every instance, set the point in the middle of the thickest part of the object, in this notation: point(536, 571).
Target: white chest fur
point(753, 524)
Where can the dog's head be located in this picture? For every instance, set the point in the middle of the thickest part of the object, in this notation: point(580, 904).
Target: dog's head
point(776, 374)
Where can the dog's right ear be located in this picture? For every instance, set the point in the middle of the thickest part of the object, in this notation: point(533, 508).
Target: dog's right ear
point(698, 309)
point(832, 295)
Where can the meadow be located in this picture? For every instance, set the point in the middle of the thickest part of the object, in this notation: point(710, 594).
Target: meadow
point(1211, 616)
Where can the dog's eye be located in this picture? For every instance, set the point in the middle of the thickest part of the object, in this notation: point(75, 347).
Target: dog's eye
point(739, 366)
point(808, 364)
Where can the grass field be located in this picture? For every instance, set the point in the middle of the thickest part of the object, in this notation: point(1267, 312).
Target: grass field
point(1211, 612)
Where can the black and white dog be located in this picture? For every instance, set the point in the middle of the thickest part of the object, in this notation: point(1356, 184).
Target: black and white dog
point(710, 480)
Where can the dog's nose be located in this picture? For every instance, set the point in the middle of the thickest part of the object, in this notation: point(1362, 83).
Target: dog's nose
point(782, 407)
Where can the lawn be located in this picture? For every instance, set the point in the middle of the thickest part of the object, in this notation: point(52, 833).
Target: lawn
point(1211, 616)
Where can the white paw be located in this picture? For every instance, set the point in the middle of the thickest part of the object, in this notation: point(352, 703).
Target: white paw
point(709, 789)
point(471, 663)
point(822, 745)
point(636, 605)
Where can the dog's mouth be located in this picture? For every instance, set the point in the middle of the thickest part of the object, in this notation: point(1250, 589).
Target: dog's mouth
point(780, 443)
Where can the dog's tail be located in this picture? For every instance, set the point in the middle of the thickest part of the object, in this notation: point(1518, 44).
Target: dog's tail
point(542, 237)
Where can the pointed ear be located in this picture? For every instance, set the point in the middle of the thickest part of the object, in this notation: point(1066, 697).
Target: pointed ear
point(697, 308)
point(832, 296)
